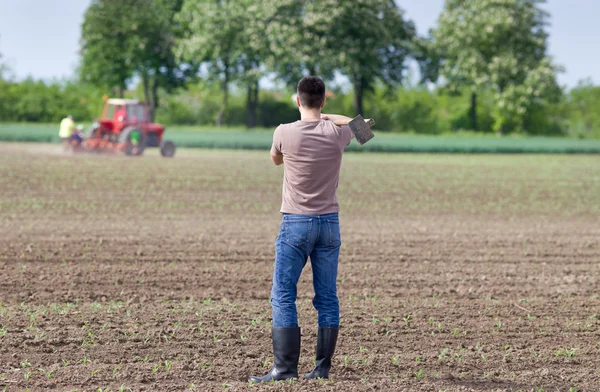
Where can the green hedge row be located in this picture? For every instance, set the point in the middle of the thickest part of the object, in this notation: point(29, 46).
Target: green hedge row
point(236, 138)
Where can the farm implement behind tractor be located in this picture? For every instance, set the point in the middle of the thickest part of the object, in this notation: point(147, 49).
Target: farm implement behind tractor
point(124, 128)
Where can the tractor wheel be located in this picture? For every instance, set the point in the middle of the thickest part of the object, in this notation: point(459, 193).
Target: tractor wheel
point(134, 140)
point(167, 149)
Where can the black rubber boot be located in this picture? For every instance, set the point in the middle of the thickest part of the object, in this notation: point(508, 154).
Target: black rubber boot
point(326, 341)
point(286, 350)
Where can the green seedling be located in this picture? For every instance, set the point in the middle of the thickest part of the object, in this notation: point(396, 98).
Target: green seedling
point(419, 374)
point(566, 352)
point(443, 354)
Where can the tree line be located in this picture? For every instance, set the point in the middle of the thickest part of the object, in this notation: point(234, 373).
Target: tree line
point(485, 63)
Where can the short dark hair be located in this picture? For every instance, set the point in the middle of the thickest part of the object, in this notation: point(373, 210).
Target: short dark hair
point(311, 91)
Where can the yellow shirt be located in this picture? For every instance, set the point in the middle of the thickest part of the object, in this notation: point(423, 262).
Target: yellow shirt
point(66, 127)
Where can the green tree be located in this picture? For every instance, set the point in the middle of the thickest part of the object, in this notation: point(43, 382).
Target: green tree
point(212, 34)
point(498, 45)
point(126, 39)
point(105, 57)
point(371, 41)
point(229, 36)
point(299, 39)
point(582, 110)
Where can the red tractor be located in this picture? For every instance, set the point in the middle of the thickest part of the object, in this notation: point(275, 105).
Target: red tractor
point(124, 127)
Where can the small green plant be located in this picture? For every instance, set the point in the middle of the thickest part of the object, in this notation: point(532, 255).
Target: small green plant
point(25, 364)
point(48, 374)
point(565, 352)
point(85, 360)
point(419, 374)
point(443, 354)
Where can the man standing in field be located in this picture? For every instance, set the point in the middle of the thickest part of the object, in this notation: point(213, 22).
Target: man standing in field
point(312, 151)
point(67, 127)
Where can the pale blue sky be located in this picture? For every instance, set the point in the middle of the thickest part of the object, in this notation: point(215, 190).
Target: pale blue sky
point(41, 37)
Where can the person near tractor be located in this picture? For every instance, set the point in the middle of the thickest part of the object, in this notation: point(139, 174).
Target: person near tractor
point(311, 151)
point(77, 137)
point(67, 128)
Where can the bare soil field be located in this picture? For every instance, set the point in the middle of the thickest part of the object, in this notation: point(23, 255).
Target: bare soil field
point(457, 273)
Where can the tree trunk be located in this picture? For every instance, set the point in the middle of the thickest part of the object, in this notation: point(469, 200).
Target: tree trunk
point(225, 88)
point(359, 92)
point(150, 94)
point(473, 111)
point(147, 98)
point(154, 104)
point(252, 104)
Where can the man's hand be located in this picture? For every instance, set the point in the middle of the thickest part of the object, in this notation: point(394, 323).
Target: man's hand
point(276, 158)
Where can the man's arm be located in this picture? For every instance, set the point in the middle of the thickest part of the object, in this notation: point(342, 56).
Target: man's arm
point(276, 157)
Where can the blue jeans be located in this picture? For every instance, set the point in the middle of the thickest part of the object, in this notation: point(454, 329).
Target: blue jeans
point(301, 236)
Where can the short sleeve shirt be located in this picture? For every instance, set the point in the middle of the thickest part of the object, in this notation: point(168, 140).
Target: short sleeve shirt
point(312, 154)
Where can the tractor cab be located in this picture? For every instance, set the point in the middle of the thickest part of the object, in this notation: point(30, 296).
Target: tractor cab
point(124, 110)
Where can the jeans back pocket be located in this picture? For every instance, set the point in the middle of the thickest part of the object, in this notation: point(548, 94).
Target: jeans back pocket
point(297, 231)
point(334, 232)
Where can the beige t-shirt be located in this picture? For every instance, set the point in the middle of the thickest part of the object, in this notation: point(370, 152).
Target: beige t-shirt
point(312, 154)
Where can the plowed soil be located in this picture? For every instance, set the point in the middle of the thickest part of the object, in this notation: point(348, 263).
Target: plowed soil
point(457, 273)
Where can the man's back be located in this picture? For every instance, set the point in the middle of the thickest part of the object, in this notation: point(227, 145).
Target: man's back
point(66, 127)
point(312, 152)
